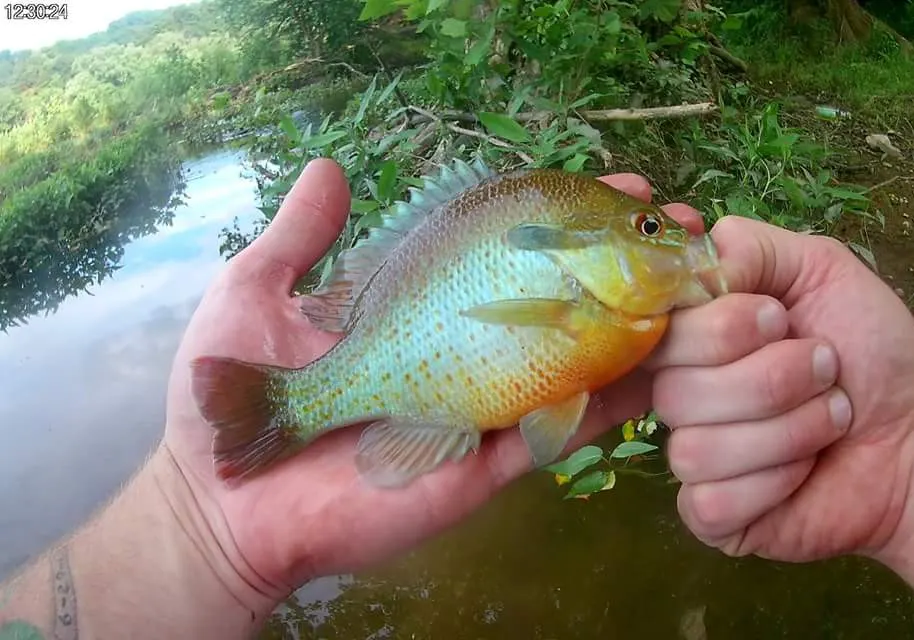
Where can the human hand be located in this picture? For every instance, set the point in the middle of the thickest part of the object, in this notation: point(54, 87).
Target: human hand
point(765, 469)
point(310, 515)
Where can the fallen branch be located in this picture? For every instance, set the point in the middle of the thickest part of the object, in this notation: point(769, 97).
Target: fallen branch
point(599, 115)
point(726, 56)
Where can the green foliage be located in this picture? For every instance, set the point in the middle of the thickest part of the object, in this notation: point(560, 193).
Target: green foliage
point(66, 231)
point(311, 27)
point(634, 448)
point(483, 52)
point(756, 167)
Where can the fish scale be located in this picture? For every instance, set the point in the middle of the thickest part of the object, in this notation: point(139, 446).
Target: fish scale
point(484, 302)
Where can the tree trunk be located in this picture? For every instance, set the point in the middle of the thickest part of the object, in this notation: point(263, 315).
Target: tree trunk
point(850, 21)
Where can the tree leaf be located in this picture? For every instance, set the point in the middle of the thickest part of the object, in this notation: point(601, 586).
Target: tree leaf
point(377, 8)
point(577, 461)
point(387, 180)
point(591, 483)
point(575, 163)
point(498, 124)
point(453, 28)
point(633, 448)
point(435, 4)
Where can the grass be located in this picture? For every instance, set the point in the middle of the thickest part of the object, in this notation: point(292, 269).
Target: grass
point(870, 80)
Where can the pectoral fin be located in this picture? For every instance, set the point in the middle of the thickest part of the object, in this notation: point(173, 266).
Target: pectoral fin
point(529, 312)
point(541, 237)
point(547, 430)
point(393, 452)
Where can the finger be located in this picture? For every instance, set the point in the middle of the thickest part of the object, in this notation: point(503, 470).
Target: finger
point(713, 453)
point(762, 258)
point(306, 225)
point(720, 331)
point(716, 511)
point(630, 183)
point(687, 216)
point(772, 380)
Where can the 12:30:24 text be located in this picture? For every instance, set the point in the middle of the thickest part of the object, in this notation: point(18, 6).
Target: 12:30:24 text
point(35, 11)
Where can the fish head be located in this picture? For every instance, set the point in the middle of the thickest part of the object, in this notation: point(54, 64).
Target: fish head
point(630, 254)
point(651, 264)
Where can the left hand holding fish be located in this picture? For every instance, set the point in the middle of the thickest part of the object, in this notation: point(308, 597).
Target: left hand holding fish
point(310, 515)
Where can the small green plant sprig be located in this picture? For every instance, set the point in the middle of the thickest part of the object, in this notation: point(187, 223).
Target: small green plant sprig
point(581, 471)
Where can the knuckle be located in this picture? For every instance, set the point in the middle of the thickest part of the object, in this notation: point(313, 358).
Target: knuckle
point(683, 456)
point(778, 386)
point(704, 508)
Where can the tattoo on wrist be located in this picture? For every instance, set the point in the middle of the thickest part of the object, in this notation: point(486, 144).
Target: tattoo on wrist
point(64, 596)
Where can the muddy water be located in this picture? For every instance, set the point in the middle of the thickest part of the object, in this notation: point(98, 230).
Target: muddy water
point(82, 403)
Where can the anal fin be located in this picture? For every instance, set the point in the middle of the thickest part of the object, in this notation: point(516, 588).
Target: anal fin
point(547, 430)
point(393, 452)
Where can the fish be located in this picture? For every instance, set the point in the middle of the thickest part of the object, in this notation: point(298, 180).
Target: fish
point(483, 302)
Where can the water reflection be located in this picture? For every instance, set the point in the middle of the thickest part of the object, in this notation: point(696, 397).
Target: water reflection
point(83, 388)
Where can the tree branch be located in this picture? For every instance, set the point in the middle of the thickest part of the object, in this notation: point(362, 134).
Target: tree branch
point(598, 115)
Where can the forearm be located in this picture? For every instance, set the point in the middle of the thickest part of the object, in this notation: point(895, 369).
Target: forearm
point(144, 567)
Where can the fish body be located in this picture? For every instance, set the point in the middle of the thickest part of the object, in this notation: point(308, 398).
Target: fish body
point(486, 301)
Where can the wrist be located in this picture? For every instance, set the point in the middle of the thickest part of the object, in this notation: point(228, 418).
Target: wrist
point(153, 561)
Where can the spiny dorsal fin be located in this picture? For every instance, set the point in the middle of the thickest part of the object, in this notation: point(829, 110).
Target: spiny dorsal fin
point(330, 306)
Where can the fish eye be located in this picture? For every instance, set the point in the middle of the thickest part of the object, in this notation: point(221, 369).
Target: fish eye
point(648, 224)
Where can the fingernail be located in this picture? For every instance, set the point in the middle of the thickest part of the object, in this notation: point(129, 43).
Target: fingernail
point(839, 406)
point(824, 365)
point(772, 321)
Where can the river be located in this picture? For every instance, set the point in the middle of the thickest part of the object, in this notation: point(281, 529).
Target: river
point(82, 404)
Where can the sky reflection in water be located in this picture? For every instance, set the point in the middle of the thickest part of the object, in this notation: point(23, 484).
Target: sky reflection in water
point(83, 389)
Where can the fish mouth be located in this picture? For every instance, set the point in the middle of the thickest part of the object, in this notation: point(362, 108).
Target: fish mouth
point(703, 261)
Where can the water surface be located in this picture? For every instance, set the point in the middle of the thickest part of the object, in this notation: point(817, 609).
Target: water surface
point(82, 403)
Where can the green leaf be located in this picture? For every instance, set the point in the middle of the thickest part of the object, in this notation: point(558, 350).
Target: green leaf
point(366, 100)
point(711, 174)
point(663, 10)
point(633, 448)
point(288, 127)
point(435, 4)
point(322, 139)
point(377, 8)
point(575, 163)
point(577, 461)
point(480, 48)
point(498, 124)
point(387, 180)
point(363, 206)
point(389, 89)
point(591, 483)
point(453, 28)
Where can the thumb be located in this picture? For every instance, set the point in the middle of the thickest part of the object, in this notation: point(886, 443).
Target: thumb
point(757, 257)
point(309, 220)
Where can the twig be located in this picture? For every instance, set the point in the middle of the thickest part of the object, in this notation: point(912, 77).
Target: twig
point(469, 132)
point(886, 183)
point(718, 49)
point(348, 66)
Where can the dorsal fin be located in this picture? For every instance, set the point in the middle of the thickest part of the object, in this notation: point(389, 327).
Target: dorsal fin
point(330, 306)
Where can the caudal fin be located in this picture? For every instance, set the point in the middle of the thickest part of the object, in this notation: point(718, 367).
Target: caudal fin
point(243, 403)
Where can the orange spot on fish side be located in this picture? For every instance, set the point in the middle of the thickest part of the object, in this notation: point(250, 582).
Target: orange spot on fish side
point(423, 365)
point(470, 381)
point(437, 355)
point(407, 377)
point(448, 377)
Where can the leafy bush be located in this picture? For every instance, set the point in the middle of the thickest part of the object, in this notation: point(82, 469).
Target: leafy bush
point(60, 234)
